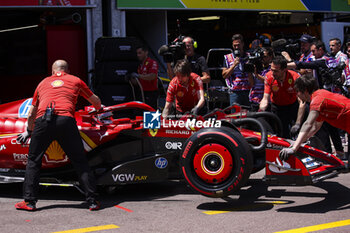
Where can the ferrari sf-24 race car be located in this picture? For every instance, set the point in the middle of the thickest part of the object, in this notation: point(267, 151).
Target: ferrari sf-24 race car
point(130, 143)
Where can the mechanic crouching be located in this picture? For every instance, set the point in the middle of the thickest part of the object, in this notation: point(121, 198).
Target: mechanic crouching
point(325, 106)
point(186, 88)
point(51, 117)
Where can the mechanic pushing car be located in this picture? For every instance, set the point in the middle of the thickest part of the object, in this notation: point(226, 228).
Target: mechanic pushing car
point(51, 117)
point(186, 88)
point(324, 106)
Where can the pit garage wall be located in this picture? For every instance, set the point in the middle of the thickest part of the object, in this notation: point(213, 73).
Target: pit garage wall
point(272, 5)
point(151, 28)
point(151, 25)
point(334, 30)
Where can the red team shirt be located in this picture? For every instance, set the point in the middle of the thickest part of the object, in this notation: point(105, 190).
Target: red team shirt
point(333, 108)
point(186, 97)
point(281, 93)
point(63, 89)
point(148, 67)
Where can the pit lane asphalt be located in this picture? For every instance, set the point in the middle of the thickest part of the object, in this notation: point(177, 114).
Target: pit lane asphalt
point(174, 207)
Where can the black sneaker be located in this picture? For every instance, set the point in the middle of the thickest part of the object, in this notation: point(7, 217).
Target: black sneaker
point(94, 205)
point(26, 205)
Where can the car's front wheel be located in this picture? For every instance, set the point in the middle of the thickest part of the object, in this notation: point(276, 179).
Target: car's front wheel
point(216, 162)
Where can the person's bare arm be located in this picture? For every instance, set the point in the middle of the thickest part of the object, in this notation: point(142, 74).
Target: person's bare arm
point(166, 109)
point(301, 112)
point(148, 76)
point(264, 102)
point(309, 128)
point(251, 79)
point(291, 65)
point(95, 101)
point(170, 71)
point(286, 55)
point(23, 137)
point(226, 72)
point(31, 117)
point(205, 77)
point(201, 101)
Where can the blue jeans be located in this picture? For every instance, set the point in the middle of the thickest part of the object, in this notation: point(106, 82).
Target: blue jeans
point(239, 97)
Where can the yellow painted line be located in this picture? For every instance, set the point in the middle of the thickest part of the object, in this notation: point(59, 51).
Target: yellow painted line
point(88, 140)
point(168, 79)
point(90, 229)
point(8, 134)
point(61, 185)
point(318, 227)
point(253, 206)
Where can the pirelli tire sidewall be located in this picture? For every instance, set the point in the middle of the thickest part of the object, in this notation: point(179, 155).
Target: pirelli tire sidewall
point(235, 146)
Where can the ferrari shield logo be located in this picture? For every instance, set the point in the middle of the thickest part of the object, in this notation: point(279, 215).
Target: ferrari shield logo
point(290, 81)
point(153, 132)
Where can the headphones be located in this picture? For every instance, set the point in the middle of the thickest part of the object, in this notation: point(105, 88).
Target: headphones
point(194, 43)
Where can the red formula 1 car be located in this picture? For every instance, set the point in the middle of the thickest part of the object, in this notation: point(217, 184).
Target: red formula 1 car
point(130, 143)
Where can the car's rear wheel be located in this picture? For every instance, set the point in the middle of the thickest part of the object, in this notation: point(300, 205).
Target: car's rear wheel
point(216, 162)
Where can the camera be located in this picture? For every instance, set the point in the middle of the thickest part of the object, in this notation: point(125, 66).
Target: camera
point(254, 61)
point(333, 74)
point(174, 51)
point(291, 46)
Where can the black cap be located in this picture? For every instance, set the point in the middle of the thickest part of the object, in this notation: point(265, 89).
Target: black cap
point(306, 38)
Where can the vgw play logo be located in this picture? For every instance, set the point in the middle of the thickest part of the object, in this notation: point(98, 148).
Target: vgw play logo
point(151, 120)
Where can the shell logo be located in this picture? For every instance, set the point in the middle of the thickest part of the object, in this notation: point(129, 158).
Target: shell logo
point(180, 94)
point(57, 83)
point(275, 88)
point(55, 152)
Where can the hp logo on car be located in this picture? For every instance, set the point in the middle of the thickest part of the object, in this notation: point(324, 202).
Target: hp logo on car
point(24, 108)
point(161, 163)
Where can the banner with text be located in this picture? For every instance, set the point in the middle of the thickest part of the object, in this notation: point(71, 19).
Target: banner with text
point(259, 5)
point(67, 3)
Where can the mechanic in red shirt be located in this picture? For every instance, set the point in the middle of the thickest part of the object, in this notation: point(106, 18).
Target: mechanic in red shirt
point(147, 74)
point(324, 106)
point(279, 85)
point(60, 92)
point(186, 88)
